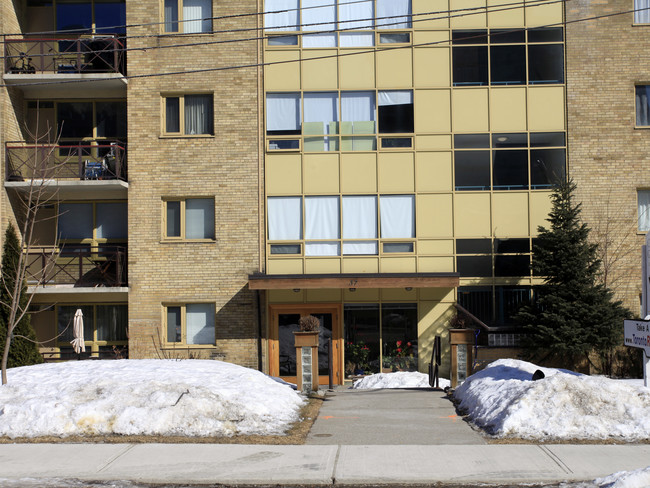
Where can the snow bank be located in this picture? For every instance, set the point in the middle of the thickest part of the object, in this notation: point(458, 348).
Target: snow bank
point(626, 479)
point(504, 401)
point(148, 397)
point(396, 380)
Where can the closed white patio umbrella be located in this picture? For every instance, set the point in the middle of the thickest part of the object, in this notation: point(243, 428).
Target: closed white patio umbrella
point(78, 332)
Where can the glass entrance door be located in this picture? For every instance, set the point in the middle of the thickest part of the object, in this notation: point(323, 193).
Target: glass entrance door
point(282, 349)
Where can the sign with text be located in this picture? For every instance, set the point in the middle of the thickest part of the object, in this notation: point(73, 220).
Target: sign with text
point(637, 334)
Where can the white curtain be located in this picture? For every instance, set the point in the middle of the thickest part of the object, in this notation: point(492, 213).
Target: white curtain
point(282, 111)
point(360, 222)
point(199, 218)
point(198, 114)
point(171, 15)
point(322, 217)
point(644, 210)
point(358, 106)
point(111, 220)
point(322, 249)
point(197, 16)
point(395, 97)
point(642, 105)
point(285, 218)
point(75, 220)
point(199, 322)
point(642, 16)
point(354, 14)
point(357, 39)
point(319, 40)
point(397, 216)
point(321, 108)
point(397, 13)
point(281, 21)
point(323, 14)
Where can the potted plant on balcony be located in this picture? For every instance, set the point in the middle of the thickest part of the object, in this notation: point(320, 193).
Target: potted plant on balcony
point(308, 334)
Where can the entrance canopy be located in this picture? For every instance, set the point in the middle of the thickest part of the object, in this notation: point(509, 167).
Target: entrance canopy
point(347, 280)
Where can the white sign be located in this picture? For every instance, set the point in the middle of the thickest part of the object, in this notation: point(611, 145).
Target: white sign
point(637, 334)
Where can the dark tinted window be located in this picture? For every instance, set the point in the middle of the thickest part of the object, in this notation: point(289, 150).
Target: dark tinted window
point(469, 37)
point(511, 265)
point(546, 63)
point(511, 245)
point(479, 266)
point(472, 170)
point(508, 65)
point(547, 167)
point(473, 246)
point(510, 170)
point(470, 65)
point(471, 141)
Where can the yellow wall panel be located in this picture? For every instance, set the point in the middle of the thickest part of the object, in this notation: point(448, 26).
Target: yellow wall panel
point(395, 68)
point(472, 214)
point(438, 294)
point(540, 206)
point(431, 38)
point(437, 264)
point(285, 76)
point(358, 173)
point(283, 174)
point(396, 172)
point(361, 295)
point(322, 265)
point(321, 173)
point(543, 13)
point(397, 265)
point(329, 295)
point(284, 266)
point(285, 296)
point(433, 171)
point(432, 111)
point(439, 246)
point(510, 214)
point(357, 71)
point(545, 108)
point(438, 20)
point(503, 15)
point(470, 110)
point(428, 143)
point(360, 265)
point(399, 294)
point(477, 18)
point(508, 109)
point(434, 216)
point(431, 67)
point(319, 74)
point(433, 320)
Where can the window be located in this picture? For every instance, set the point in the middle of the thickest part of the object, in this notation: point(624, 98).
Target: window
point(188, 16)
point(321, 19)
point(642, 100)
point(78, 121)
point(190, 218)
point(495, 306)
point(191, 323)
point(508, 161)
point(347, 225)
point(642, 11)
point(188, 115)
point(89, 16)
point(515, 57)
point(103, 324)
point(92, 224)
point(643, 206)
point(486, 258)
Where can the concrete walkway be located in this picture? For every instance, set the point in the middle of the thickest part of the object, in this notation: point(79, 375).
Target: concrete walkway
point(419, 416)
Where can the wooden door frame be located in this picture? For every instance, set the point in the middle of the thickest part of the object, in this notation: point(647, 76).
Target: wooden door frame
point(336, 309)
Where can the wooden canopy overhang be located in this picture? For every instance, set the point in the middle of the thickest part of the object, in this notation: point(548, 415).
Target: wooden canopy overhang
point(350, 280)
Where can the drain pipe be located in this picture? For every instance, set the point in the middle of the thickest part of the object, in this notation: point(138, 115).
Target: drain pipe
point(259, 332)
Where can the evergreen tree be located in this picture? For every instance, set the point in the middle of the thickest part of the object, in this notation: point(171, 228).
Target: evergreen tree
point(23, 352)
point(572, 314)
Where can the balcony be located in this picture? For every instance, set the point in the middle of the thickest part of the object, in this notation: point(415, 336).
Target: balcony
point(98, 167)
point(91, 64)
point(77, 266)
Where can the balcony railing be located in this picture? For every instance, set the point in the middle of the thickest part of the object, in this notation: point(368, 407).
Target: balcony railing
point(97, 54)
point(78, 265)
point(101, 161)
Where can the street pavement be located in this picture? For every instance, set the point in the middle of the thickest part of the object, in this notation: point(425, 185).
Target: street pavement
point(381, 438)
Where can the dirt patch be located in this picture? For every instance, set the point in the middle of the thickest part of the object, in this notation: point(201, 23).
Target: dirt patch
point(517, 440)
point(295, 435)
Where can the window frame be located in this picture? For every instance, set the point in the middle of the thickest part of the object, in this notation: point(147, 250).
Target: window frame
point(181, 115)
point(183, 325)
point(180, 21)
point(642, 229)
point(183, 220)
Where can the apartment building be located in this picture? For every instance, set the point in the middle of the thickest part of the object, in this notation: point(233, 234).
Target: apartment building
point(149, 151)
point(216, 173)
point(410, 150)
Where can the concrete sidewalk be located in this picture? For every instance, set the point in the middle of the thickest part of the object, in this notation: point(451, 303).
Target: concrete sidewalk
point(192, 464)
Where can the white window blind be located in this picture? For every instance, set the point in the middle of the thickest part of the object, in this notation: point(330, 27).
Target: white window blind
point(397, 14)
point(354, 14)
point(358, 106)
point(285, 218)
point(281, 21)
point(320, 110)
point(197, 16)
point(199, 319)
point(359, 222)
point(322, 217)
point(395, 97)
point(397, 216)
point(642, 11)
point(282, 111)
point(199, 218)
point(319, 15)
point(644, 210)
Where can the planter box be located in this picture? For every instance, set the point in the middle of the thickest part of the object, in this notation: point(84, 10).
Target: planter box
point(306, 339)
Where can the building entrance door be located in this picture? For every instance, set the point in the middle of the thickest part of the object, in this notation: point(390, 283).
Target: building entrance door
point(282, 351)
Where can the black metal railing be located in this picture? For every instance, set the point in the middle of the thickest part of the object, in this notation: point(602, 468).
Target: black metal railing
point(102, 160)
point(95, 54)
point(78, 265)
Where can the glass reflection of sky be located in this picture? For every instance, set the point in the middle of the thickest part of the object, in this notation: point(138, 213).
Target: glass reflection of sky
point(110, 17)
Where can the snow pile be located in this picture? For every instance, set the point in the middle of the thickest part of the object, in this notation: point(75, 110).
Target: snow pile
point(147, 397)
point(626, 479)
point(504, 401)
point(396, 380)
